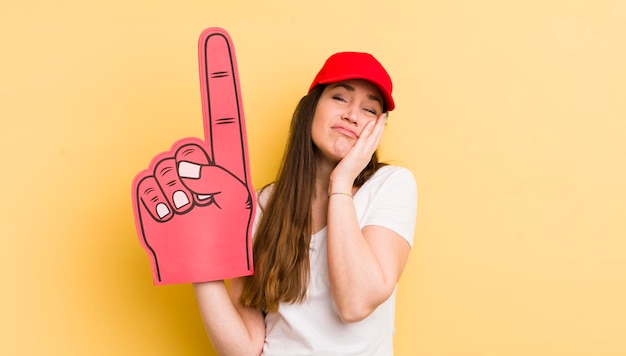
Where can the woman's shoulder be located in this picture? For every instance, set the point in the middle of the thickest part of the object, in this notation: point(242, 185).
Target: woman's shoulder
point(390, 179)
point(394, 173)
point(262, 197)
point(264, 193)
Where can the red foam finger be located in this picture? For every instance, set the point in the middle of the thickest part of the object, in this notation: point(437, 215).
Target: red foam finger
point(224, 124)
point(166, 174)
point(195, 205)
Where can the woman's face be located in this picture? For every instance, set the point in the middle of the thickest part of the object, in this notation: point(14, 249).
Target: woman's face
point(343, 110)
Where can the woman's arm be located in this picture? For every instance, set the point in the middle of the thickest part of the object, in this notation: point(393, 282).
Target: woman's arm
point(363, 266)
point(233, 328)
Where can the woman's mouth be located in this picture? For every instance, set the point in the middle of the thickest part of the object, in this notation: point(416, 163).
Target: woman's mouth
point(345, 131)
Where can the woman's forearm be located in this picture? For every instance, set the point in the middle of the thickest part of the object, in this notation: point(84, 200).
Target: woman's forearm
point(232, 328)
point(356, 278)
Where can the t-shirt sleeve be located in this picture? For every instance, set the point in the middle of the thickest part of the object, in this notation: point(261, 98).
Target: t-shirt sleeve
point(394, 203)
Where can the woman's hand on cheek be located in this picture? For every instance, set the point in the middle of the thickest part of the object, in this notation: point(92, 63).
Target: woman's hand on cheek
point(361, 153)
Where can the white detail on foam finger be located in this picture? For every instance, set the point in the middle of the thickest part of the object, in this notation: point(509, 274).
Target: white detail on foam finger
point(189, 170)
point(162, 210)
point(180, 199)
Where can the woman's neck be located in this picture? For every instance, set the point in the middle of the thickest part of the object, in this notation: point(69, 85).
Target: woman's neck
point(323, 169)
point(319, 203)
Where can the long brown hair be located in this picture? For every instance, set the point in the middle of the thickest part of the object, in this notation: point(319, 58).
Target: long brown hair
point(283, 234)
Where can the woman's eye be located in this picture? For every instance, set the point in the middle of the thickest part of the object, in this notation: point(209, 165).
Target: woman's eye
point(336, 97)
point(371, 111)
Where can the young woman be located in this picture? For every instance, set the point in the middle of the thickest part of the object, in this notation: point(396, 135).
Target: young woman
point(332, 233)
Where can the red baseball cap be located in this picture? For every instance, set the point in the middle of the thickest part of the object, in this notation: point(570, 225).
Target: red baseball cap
point(356, 65)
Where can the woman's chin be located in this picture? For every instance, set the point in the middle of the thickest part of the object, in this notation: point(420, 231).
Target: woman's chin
point(336, 152)
point(341, 148)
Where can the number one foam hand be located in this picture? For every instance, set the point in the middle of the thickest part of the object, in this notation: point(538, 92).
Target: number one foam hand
point(194, 206)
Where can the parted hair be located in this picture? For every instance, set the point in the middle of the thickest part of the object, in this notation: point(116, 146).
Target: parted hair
point(283, 234)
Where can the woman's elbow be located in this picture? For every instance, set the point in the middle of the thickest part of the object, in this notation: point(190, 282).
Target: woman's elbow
point(354, 312)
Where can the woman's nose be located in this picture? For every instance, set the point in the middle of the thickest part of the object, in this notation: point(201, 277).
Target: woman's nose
point(351, 115)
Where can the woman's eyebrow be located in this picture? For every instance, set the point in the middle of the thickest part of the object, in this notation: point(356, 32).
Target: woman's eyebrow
point(344, 85)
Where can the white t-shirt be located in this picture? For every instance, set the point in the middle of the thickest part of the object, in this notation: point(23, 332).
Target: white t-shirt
point(313, 327)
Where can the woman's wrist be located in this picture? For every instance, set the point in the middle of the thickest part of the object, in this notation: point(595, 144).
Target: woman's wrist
point(340, 193)
point(340, 187)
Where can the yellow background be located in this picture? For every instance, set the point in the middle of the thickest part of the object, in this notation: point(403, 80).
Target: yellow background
point(510, 114)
